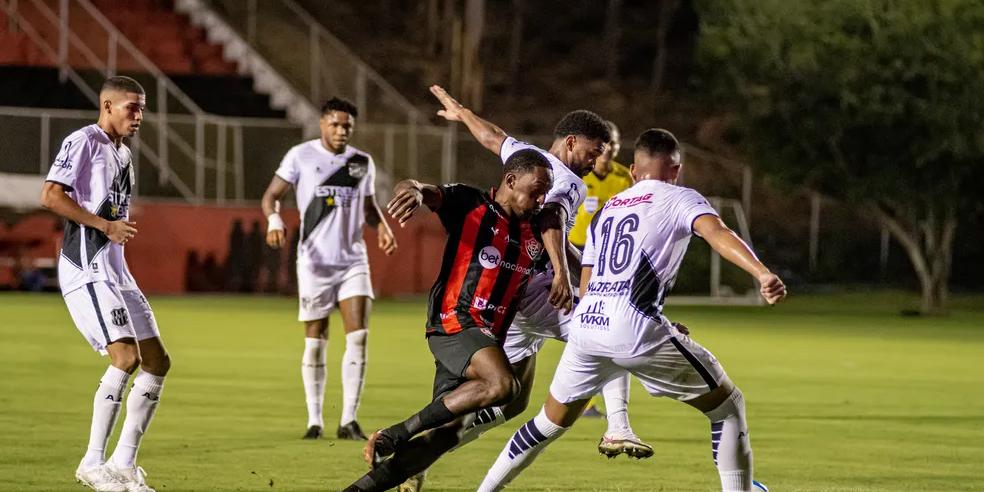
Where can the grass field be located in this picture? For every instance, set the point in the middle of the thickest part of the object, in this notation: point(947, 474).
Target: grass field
point(843, 394)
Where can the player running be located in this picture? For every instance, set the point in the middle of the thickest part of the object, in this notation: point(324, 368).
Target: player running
point(633, 252)
point(494, 241)
point(335, 187)
point(580, 138)
point(89, 185)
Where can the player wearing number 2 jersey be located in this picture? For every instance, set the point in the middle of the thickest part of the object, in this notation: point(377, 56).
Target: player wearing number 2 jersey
point(633, 251)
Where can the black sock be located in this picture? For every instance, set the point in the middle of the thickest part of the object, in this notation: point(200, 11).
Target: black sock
point(433, 415)
point(416, 456)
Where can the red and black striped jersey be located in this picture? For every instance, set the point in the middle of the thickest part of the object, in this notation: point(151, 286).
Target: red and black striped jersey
point(488, 260)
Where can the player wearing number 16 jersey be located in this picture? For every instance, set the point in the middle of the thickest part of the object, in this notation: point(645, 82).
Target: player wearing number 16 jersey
point(633, 251)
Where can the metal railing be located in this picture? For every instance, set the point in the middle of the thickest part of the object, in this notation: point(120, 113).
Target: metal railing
point(228, 172)
point(319, 65)
point(177, 125)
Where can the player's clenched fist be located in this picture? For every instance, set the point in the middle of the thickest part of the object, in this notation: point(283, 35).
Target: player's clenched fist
point(772, 290)
point(387, 241)
point(561, 293)
point(120, 231)
point(276, 238)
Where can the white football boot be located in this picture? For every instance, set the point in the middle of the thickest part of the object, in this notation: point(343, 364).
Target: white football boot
point(133, 478)
point(100, 479)
point(614, 444)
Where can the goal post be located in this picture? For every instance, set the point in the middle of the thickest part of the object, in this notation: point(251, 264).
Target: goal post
point(720, 291)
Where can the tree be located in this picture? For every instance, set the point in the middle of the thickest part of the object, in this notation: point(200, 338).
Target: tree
point(874, 102)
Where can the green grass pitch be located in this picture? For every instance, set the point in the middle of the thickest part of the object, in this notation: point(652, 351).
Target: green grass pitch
point(843, 394)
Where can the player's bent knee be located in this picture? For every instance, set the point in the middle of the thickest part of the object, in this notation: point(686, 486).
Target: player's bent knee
point(158, 367)
point(503, 390)
point(127, 361)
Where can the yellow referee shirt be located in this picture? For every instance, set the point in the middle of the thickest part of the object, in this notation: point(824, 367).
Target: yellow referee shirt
point(599, 191)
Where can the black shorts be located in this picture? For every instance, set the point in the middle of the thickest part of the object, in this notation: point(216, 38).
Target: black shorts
point(452, 353)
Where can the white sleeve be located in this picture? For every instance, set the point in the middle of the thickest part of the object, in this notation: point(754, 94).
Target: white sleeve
point(73, 156)
point(288, 170)
point(568, 192)
point(368, 185)
point(588, 256)
point(510, 146)
point(691, 206)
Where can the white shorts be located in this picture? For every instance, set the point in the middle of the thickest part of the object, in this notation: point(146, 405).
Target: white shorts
point(679, 368)
point(104, 314)
point(536, 321)
point(320, 291)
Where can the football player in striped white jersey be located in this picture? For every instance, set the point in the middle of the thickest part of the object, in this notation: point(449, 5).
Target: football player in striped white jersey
point(634, 248)
point(334, 184)
point(89, 185)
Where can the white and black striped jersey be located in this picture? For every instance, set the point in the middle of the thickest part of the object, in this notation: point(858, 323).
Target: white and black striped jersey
point(331, 190)
point(99, 176)
point(635, 245)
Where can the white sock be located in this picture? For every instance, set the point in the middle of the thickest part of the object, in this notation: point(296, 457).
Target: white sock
point(730, 446)
point(313, 373)
point(616, 394)
point(141, 404)
point(105, 408)
point(353, 373)
point(485, 419)
point(523, 447)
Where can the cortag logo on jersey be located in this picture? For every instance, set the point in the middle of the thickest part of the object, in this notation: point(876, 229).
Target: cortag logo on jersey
point(487, 333)
point(630, 201)
point(120, 317)
point(489, 257)
point(358, 170)
point(533, 248)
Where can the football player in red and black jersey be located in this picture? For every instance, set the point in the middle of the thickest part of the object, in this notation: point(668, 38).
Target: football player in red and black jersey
point(494, 242)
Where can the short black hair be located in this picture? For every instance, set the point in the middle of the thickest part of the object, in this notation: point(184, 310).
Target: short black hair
point(583, 122)
point(657, 141)
point(525, 161)
point(613, 129)
point(122, 84)
point(338, 104)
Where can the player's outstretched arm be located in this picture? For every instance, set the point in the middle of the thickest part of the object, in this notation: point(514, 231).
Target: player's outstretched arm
point(408, 195)
point(374, 217)
point(733, 249)
point(276, 235)
point(487, 134)
point(551, 223)
point(53, 198)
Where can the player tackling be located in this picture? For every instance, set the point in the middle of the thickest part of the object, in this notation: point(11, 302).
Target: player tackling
point(335, 188)
point(89, 185)
point(631, 257)
point(580, 138)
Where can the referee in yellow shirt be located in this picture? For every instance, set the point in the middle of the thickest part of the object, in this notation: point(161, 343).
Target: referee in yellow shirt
point(605, 180)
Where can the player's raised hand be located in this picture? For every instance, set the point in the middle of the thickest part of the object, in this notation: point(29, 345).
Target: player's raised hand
point(772, 288)
point(452, 108)
point(121, 231)
point(404, 204)
point(276, 238)
point(561, 293)
point(387, 241)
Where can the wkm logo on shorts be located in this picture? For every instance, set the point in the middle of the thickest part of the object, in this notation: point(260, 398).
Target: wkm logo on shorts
point(595, 315)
